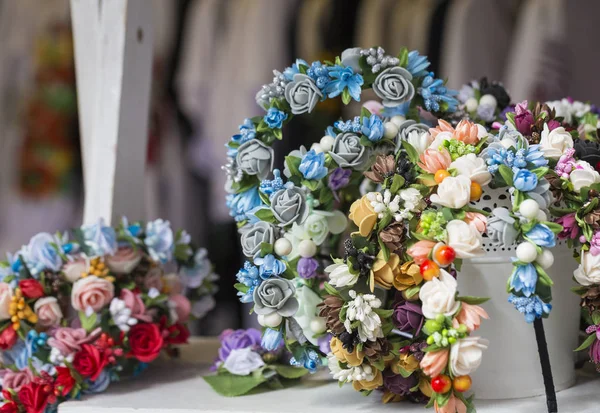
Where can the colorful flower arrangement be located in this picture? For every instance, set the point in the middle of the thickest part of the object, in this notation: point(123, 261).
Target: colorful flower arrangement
point(80, 310)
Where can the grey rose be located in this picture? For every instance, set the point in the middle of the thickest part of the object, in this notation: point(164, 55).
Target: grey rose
point(255, 235)
point(289, 206)
point(275, 295)
point(351, 57)
point(542, 194)
point(410, 127)
point(500, 228)
point(347, 151)
point(393, 86)
point(255, 158)
point(302, 94)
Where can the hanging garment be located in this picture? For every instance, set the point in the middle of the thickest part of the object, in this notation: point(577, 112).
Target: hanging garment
point(372, 23)
point(312, 17)
point(436, 31)
point(419, 25)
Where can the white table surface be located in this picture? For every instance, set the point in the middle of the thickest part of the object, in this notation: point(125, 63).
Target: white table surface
point(178, 387)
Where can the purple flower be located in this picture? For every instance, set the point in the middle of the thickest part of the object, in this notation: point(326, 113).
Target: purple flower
point(237, 339)
point(570, 227)
point(595, 244)
point(339, 178)
point(595, 351)
point(323, 343)
point(523, 118)
point(307, 267)
point(397, 384)
point(565, 164)
point(408, 317)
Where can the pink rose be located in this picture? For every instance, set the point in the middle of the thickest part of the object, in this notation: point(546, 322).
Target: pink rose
point(479, 221)
point(134, 302)
point(14, 380)
point(420, 251)
point(173, 284)
point(182, 307)
point(373, 106)
point(433, 160)
point(48, 312)
point(69, 340)
point(92, 292)
point(153, 279)
point(6, 293)
point(72, 270)
point(124, 261)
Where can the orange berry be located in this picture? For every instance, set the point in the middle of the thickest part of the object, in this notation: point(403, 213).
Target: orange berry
point(441, 384)
point(462, 383)
point(444, 255)
point(440, 175)
point(476, 191)
point(429, 270)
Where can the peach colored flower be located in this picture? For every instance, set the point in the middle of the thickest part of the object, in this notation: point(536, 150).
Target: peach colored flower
point(479, 221)
point(69, 340)
point(48, 312)
point(454, 405)
point(134, 302)
point(432, 160)
point(92, 292)
point(153, 279)
point(420, 251)
point(363, 215)
point(173, 284)
point(434, 362)
point(470, 315)
point(6, 293)
point(466, 132)
point(183, 307)
point(14, 380)
point(72, 270)
point(442, 126)
point(125, 260)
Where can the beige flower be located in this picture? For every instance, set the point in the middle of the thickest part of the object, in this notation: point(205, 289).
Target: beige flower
point(353, 359)
point(408, 276)
point(363, 215)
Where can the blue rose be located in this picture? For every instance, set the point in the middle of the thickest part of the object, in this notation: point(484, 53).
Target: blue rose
point(525, 180)
point(541, 235)
point(100, 239)
point(244, 202)
point(41, 254)
point(99, 385)
point(274, 118)
point(159, 240)
point(271, 339)
point(524, 279)
point(373, 128)
point(312, 165)
point(269, 266)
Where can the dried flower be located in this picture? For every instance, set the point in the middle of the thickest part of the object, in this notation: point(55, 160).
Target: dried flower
point(383, 168)
point(393, 237)
point(330, 310)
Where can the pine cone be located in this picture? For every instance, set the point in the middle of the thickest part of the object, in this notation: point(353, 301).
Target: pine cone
point(555, 187)
point(393, 236)
point(593, 219)
point(591, 299)
point(383, 167)
point(330, 310)
point(376, 349)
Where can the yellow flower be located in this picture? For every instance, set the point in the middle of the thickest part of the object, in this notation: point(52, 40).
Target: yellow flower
point(369, 384)
point(406, 361)
point(353, 359)
point(409, 275)
point(384, 272)
point(363, 215)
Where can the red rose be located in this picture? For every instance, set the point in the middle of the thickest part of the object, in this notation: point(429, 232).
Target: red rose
point(89, 361)
point(64, 380)
point(176, 334)
point(145, 342)
point(8, 338)
point(33, 397)
point(31, 288)
point(9, 405)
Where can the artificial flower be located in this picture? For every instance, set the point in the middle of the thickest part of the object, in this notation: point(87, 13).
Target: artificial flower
point(312, 165)
point(453, 192)
point(100, 239)
point(373, 128)
point(583, 175)
point(542, 236)
point(470, 315)
point(408, 276)
point(348, 152)
point(302, 94)
point(394, 86)
point(99, 385)
point(72, 270)
point(123, 261)
point(14, 380)
point(31, 288)
point(525, 180)
point(554, 143)
point(6, 293)
point(476, 220)
point(473, 167)
point(289, 206)
point(237, 339)
point(588, 271)
point(434, 362)
point(272, 339)
point(408, 317)
point(90, 361)
point(360, 308)
point(48, 312)
point(93, 292)
point(433, 160)
point(465, 239)
point(275, 295)
point(398, 384)
point(453, 405)
point(466, 354)
point(385, 271)
point(500, 228)
point(41, 254)
point(363, 215)
point(344, 78)
point(8, 338)
point(353, 358)
point(243, 361)
point(34, 397)
point(438, 296)
point(371, 382)
point(420, 251)
point(145, 342)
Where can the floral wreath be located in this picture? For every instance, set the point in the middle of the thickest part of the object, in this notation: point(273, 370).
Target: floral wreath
point(78, 311)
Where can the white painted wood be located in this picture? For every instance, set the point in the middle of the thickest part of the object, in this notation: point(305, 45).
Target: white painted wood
point(113, 45)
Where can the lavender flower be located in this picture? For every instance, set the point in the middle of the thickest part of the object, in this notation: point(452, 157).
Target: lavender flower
point(307, 267)
point(237, 339)
point(339, 178)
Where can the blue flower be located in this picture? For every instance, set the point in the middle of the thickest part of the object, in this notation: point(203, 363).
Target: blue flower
point(535, 156)
point(159, 240)
point(269, 187)
point(35, 340)
point(100, 239)
point(401, 110)
point(248, 275)
point(434, 92)
point(201, 268)
point(533, 307)
point(313, 166)
point(131, 230)
point(274, 118)
point(525, 180)
point(19, 355)
point(309, 359)
point(271, 339)
point(269, 266)
point(353, 125)
point(524, 279)
point(344, 78)
point(241, 204)
point(289, 72)
point(417, 64)
point(372, 127)
point(541, 235)
point(247, 132)
point(99, 385)
point(12, 268)
point(319, 74)
point(41, 254)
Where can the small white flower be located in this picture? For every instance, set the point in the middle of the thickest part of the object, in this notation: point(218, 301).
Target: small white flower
point(121, 315)
point(340, 275)
point(362, 372)
point(384, 202)
point(153, 293)
point(58, 359)
point(360, 308)
point(413, 200)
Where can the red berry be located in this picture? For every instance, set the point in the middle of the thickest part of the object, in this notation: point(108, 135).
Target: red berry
point(429, 270)
point(444, 255)
point(441, 384)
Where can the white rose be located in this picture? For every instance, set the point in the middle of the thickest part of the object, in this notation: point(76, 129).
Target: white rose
point(562, 109)
point(465, 355)
point(308, 301)
point(420, 142)
point(72, 270)
point(316, 227)
point(453, 192)
point(243, 361)
point(437, 296)
point(439, 140)
point(555, 143)
point(340, 275)
point(588, 272)
point(473, 168)
point(583, 175)
point(412, 198)
point(6, 293)
point(464, 239)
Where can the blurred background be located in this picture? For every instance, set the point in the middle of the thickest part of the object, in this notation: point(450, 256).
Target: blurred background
point(210, 59)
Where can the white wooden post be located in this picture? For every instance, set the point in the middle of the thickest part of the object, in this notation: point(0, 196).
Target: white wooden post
point(113, 57)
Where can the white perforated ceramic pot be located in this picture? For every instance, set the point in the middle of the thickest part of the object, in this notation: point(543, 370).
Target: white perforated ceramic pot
point(511, 366)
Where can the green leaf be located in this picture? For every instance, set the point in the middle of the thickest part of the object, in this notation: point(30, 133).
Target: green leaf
point(579, 290)
point(243, 288)
point(293, 165)
point(472, 300)
point(265, 214)
point(278, 134)
point(382, 313)
point(553, 226)
point(447, 213)
point(412, 291)
point(540, 172)
point(88, 323)
point(397, 183)
point(385, 249)
point(346, 98)
point(596, 317)
point(507, 174)
point(385, 221)
point(442, 399)
point(266, 248)
point(403, 57)
point(587, 342)
point(230, 385)
point(331, 290)
point(311, 184)
point(365, 113)
point(289, 372)
point(412, 153)
point(264, 198)
point(403, 372)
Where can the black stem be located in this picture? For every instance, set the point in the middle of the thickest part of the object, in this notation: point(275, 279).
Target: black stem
point(540, 337)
